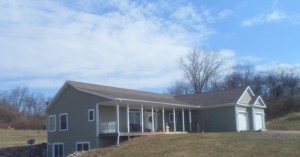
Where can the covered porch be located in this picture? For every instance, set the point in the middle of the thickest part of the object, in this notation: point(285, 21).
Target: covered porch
point(121, 118)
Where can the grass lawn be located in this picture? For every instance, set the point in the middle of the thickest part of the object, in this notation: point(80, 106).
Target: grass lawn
point(246, 144)
point(289, 122)
point(11, 137)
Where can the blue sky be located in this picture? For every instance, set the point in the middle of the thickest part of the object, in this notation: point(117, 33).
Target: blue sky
point(137, 44)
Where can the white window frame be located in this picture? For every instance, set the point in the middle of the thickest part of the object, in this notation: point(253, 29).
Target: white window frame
point(83, 142)
point(67, 121)
point(53, 145)
point(91, 120)
point(52, 116)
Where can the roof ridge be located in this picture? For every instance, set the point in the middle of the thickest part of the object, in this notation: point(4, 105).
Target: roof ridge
point(216, 91)
point(94, 84)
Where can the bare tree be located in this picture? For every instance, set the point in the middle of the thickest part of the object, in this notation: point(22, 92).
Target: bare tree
point(179, 88)
point(242, 75)
point(200, 68)
point(16, 97)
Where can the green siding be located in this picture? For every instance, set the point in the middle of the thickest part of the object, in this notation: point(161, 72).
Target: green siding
point(76, 104)
point(214, 119)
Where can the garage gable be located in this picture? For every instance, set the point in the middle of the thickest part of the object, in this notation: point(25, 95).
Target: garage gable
point(247, 97)
point(259, 102)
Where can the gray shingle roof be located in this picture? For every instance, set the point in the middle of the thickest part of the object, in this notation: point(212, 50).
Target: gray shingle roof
point(122, 93)
point(213, 98)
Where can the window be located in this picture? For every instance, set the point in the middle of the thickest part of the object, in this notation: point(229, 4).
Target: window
point(58, 150)
point(134, 117)
point(52, 123)
point(171, 118)
point(91, 115)
point(63, 122)
point(82, 146)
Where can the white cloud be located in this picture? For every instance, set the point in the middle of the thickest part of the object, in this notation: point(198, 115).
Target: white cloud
point(265, 18)
point(127, 45)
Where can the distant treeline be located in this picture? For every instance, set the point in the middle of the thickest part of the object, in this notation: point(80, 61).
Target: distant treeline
point(279, 85)
point(22, 109)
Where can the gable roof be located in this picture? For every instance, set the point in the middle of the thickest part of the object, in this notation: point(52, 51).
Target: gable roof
point(115, 93)
point(213, 98)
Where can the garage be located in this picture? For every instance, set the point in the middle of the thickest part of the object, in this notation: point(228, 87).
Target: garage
point(258, 121)
point(242, 121)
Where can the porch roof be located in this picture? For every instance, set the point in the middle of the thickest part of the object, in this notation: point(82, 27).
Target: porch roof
point(128, 95)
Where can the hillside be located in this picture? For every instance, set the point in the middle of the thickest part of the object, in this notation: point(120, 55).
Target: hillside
point(245, 144)
point(289, 122)
point(11, 137)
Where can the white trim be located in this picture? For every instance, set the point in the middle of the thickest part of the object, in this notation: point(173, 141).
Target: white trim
point(190, 120)
point(263, 103)
point(154, 102)
point(97, 120)
point(58, 143)
point(67, 122)
point(91, 120)
point(174, 119)
point(142, 117)
point(248, 88)
point(60, 91)
point(82, 142)
point(163, 119)
point(50, 116)
point(183, 122)
point(152, 116)
point(127, 116)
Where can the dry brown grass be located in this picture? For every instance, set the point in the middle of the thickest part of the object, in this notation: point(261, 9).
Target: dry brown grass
point(289, 122)
point(207, 145)
point(11, 137)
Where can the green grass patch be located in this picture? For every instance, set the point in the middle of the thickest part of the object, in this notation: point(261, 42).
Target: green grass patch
point(246, 144)
point(11, 137)
point(289, 122)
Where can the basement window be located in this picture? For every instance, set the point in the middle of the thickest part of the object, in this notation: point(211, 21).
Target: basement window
point(82, 146)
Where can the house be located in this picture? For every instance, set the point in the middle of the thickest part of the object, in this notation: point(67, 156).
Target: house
point(83, 116)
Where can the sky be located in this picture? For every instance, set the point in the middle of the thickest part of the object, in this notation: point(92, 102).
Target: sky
point(137, 44)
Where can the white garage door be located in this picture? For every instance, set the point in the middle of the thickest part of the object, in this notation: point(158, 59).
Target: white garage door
point(258, 121)
point(242, 121)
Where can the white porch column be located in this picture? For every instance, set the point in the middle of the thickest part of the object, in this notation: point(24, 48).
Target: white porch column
point(190, 119)
point(142, 118)
point(182, 115)
point(152, 115)
point(128, 127)
point(174, 120)
point(163, 119)
point(118, 122)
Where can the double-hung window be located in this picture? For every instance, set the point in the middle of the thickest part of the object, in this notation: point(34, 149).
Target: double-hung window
point(52, 123)
point(63, 122)
point(91, 115)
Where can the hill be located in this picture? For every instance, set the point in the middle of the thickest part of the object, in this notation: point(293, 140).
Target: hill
point(11, 137)
point(289, 122)
point(244, 144)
